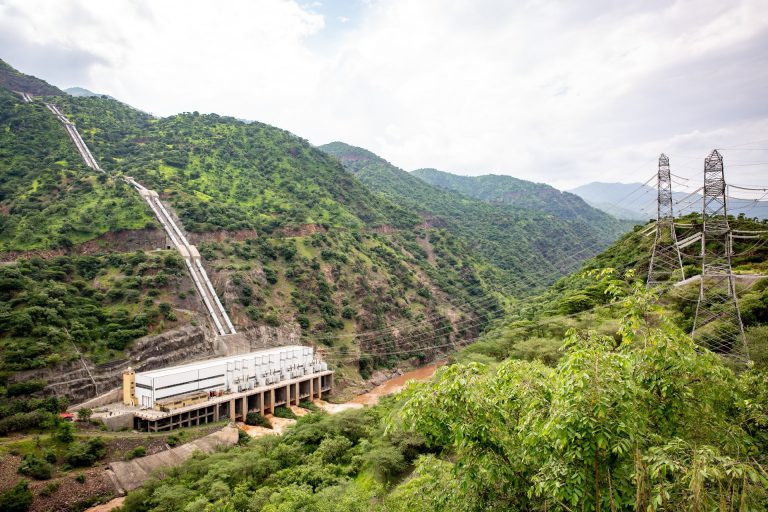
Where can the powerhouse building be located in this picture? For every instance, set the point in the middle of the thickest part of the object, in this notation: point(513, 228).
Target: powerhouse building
point(232, 386)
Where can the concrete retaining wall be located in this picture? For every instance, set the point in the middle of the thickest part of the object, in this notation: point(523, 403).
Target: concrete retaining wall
point(134, 473)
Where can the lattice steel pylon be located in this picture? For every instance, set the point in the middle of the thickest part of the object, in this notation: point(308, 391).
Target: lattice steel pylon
point(665, 257)
point(717, 324)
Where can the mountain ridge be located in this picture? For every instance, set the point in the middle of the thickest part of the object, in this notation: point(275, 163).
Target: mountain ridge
point(511, 238)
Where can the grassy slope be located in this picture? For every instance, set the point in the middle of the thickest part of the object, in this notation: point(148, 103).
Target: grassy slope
point(221, 173)
point(47, 196)
point(532, 247)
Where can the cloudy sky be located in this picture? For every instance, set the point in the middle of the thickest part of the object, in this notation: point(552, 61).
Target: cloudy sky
point(559, 92)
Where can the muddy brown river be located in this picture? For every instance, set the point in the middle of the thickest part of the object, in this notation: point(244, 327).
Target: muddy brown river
point(396, 384)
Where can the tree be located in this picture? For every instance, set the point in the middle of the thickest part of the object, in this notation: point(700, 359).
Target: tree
point(649, 423)
point(65, 432)
point(84, 414)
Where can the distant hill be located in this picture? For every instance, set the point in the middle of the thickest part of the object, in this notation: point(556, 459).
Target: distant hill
point(14, 80)
point(83, 92)
point(519, 193)
point(525, 242)
point(637, 201)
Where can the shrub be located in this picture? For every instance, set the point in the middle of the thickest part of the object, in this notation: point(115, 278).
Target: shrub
point(165, 309)
point(270, 275)
point(242, 437)
point(49, 489)
point(36, 467)
point(284, 412)
point(139, 451)
point(80, 478)
point(84, 454)
point(50, 456)
point(306, 404)
point(84, 414)
point(386, 461)
point(24, 388)
point(303, 321)
point(24, 421)
point(65, 433)
point(16, 499)
point(256, 419)
point(333, 450)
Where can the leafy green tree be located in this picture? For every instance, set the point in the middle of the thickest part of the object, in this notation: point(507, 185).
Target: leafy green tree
point(84, 414)
point(648, 423)
point(65, 432)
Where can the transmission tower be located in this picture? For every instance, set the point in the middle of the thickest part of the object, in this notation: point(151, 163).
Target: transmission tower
point(665, 257)
point(717, 324)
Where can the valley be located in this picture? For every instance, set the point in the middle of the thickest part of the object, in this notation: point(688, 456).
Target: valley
point(137, 247)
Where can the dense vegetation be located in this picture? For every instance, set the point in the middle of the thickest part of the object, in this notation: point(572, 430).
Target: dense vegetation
point(639, 420)
point(221, 173)
point(312, 255)
point(337, 283)
point(532, 246)
point(48, 198)
point(536, 328)
point(95, 303)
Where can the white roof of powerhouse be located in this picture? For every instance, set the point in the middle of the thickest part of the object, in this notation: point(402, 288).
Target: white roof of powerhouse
point(219, 360)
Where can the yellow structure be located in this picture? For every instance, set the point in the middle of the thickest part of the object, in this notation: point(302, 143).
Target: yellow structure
point(177, 402)
point(129, 387)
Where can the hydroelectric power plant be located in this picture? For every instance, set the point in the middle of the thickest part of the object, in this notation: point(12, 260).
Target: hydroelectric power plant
point(222, 388)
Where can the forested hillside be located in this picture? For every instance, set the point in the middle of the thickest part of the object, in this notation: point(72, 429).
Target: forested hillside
point(624, 414)
point(293, 242)
point(223, 174)
point(48, 197)
point(579, 301)
point(525, 195)
point(522, 240)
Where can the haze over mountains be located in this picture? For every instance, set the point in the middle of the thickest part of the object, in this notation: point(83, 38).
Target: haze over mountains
point(638, 202)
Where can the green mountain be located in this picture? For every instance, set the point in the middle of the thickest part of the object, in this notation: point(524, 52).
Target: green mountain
point(81, 91)
point(293, 242)
point(525, 195)
point(535, 239)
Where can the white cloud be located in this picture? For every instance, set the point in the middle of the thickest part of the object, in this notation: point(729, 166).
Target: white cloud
point(560, 92)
